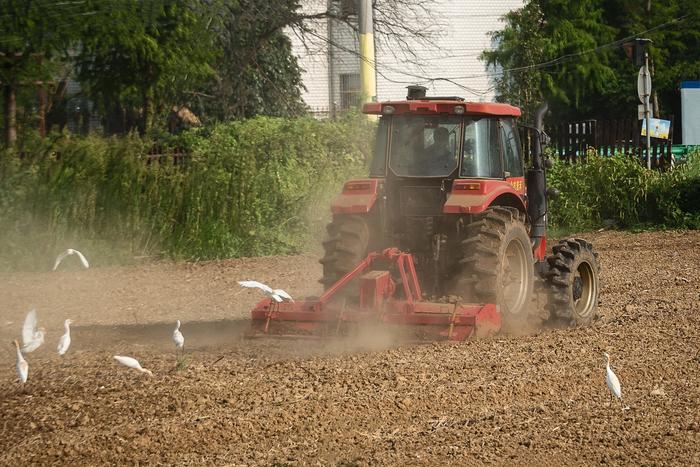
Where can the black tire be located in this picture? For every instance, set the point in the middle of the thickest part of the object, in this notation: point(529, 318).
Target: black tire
point(345, 246)
point(497, 265)
point(573, 280)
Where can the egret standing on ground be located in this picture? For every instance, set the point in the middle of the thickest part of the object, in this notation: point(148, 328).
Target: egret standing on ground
point(64, 341)
point(69, 252)
point(32, 337)
point(22, 365)
point(612, 381)
point(277, 295)
point(132, 363)
point(178, 338)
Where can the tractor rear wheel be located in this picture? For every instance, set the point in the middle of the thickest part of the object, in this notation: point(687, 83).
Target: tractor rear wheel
point(345, 246)
point(573, 280)
point(497, 263)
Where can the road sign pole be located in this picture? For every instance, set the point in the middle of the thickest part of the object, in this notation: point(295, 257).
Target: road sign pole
point(647, 116)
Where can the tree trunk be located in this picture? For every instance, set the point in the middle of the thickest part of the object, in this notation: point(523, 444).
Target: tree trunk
point(42, 95)
point(10, 98)
point(147, 115)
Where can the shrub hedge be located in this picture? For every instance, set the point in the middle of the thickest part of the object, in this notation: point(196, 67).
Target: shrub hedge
point(619, 191)
point(253, 187)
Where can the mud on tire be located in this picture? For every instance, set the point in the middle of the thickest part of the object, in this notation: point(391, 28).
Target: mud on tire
point(497, 265)
point(345, 246)
point(573, 281)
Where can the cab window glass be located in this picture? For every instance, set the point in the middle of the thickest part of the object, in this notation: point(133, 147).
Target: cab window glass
point(378, 166)
point(424, 146)
point(482, 149)
point(511, 153)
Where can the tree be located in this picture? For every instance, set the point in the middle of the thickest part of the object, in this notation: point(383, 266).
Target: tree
point(549, 49)
point(142, 55)
point(33, 35)
point(674, 28)
point(256, 71)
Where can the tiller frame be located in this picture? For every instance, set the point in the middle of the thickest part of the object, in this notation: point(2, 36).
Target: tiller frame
point(381, 299)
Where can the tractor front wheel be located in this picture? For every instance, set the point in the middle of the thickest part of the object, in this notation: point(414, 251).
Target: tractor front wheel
point(573, 281)
point(497, 264)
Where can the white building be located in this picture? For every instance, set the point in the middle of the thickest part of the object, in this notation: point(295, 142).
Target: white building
point(449, 65)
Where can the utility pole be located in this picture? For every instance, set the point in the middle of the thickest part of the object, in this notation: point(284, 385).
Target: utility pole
point(368, 78)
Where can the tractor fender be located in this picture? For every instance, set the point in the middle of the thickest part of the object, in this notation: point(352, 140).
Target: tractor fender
point(474, 196)
point(358, 196)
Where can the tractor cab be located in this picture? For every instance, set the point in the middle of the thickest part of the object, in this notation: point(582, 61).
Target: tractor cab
point(440, 138)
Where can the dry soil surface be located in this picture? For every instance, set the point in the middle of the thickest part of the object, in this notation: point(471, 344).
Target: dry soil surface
point(531, 399)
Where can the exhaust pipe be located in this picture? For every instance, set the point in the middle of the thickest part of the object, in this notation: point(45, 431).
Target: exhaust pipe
point(536, 183)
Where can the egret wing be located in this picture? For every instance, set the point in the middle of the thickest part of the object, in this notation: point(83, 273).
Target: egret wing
point(29, 327)
point(256, 285)
point(283, 294)
point(60, 258)
point(63, 344)
point(83, 260)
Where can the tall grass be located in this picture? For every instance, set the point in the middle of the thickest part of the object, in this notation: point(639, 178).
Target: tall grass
point(619, 190)
point(253, 187)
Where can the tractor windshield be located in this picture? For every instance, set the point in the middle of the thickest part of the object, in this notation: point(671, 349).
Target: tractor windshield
point(424, 146)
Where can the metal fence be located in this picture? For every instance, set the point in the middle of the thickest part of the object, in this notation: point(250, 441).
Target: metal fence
point(573, 141)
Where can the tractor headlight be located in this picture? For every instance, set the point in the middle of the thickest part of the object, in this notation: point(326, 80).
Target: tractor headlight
point(459, 109)
point(388, 109)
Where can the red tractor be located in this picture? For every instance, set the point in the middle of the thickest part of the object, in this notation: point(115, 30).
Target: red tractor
point(459, 218)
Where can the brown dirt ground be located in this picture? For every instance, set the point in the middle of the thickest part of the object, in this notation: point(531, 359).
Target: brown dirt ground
point(532, 399)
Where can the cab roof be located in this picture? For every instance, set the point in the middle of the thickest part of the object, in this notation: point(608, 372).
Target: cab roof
point(439, 106)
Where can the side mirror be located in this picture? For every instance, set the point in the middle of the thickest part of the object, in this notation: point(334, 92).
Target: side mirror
point(553, 193)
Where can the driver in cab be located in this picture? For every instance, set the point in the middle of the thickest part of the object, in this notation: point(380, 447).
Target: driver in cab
point(437, 158)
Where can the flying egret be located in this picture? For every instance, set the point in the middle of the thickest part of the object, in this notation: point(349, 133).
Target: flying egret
point(32, 337)
point(132, 363)
point(612, 381)
point(69, 252)
point(22, 365)
point(64, 341)
point(178, 338)
point(277, 295)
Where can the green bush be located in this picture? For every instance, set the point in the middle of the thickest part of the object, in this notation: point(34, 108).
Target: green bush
point(253, 187)
point(620, 190)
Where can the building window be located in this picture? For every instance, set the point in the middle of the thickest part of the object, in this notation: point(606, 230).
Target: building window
point(349, 90)
point(348, 8)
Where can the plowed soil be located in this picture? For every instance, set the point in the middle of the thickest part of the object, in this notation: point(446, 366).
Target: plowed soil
point(531, 399)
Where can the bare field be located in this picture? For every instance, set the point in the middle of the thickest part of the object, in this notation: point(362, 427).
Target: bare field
point(532, 399)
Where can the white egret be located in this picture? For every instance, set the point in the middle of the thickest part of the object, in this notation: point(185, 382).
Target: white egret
point(178, 338)
point(22, 365)
point(64, 341)
point(132, 363)
point(612, 381)
point(69, 252)
point(277, 295)
point(32, 337)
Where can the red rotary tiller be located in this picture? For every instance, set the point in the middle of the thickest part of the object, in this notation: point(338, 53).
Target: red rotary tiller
point(391, 295)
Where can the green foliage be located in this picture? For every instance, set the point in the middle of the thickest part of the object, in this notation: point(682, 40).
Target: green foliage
point(540, 33)
point(570, 53)
point(619, 190)
point(253, 187)
point(145, 53)
point(256, 72)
